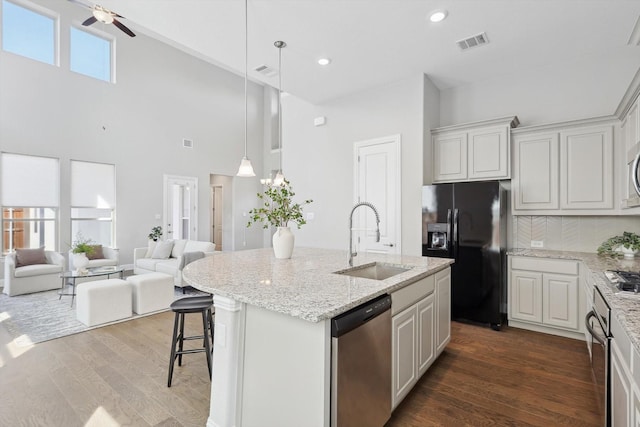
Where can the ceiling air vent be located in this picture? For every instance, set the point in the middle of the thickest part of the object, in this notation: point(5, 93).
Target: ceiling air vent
point(187, 143)
point(473, 41)
point(266, 70)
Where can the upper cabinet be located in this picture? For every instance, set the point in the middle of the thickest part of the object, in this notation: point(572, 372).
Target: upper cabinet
point(473, 151)
point(564, 169)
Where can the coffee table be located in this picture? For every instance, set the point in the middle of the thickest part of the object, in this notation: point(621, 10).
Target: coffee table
point(70, 277)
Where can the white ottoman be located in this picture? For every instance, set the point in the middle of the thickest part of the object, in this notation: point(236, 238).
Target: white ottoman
point(151, 292)
point(103, 301)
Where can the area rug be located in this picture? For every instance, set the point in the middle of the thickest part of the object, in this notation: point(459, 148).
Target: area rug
point(41, 316)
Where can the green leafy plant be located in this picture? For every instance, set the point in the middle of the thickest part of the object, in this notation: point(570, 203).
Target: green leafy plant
point(156, 233)
point(628, 240)
point(82, 245)
point(278, 208)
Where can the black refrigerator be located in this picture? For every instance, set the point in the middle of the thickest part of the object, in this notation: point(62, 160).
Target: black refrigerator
point(467, 222)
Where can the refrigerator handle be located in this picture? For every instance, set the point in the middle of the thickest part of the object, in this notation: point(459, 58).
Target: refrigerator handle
point(455, 234)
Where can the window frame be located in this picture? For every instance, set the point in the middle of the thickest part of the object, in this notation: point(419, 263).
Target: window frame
point(102, 35)
point(43, 11)
point(4, 221)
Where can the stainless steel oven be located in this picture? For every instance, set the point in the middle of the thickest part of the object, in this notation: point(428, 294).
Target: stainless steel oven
point(597, 323)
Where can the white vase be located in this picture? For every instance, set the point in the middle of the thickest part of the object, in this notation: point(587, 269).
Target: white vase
point(80, 261)
point(283, 241)
point(627, 252)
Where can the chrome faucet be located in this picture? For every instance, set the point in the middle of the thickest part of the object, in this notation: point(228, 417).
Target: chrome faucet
point(375, 211)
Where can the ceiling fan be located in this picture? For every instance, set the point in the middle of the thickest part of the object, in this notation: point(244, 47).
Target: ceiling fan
point(103, 15)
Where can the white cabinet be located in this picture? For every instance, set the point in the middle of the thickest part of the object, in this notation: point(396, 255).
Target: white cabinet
point(418, 334)
point(544, 296)
point(631, 135)
point(443, 307)
point(620, 389)
point(564, 171)
point(473, 152)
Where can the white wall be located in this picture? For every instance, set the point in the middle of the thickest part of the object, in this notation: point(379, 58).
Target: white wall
point(162, 95)
point(319, 160)
point(590, 87)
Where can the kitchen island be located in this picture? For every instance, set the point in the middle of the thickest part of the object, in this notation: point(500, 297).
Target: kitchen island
point(272, 347)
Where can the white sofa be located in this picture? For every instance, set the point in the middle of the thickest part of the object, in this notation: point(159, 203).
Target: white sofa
point(143, 262)
point(32, 278)
point(111, 257)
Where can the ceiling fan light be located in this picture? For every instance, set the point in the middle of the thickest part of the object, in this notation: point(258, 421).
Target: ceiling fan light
point(245, 169)
point(102, 16)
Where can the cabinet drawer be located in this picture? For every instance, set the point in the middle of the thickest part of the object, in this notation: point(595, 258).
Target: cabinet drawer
point(545, 265)
point(411, 294)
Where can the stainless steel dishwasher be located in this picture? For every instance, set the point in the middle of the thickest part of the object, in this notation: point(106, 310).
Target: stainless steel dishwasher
point(361, 365)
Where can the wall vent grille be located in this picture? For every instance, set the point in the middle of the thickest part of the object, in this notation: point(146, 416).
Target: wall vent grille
point(473, 41)
point(266, 70)
point(187, 143)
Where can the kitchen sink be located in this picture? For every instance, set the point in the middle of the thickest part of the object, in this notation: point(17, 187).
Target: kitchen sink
point(375, 271)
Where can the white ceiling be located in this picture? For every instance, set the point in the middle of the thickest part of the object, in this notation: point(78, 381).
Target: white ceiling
point(374, 42)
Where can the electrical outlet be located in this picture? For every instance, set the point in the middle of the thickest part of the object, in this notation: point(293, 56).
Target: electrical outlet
point(537, 244)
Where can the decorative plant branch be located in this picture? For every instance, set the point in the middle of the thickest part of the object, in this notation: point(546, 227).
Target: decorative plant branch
point(278, 208)
point(82, 245)
point(628, 239)
point(156, 233)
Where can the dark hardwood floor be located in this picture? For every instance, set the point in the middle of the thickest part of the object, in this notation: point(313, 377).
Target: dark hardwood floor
point(116, 375)
point(507, 378)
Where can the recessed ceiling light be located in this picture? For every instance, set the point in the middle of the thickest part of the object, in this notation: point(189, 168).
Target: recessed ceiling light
point(438, 15)
point(324, 61)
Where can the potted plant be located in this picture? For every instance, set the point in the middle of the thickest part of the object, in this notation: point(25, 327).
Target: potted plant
point(156, 233)
point(278, 210)
point(81, 249)
point(627, 245)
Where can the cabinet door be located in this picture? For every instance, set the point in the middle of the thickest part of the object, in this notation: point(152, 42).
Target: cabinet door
point(586, 168)
point(443, 308)
point(488, 153)
point(426, 326)
point(560, 300)
point(450, 156)
point(620, 389)
point(535, 171)
point(525, 288)
point(635, 405)
point(403, 359)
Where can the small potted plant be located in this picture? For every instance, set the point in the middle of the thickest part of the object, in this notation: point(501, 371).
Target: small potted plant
point(81, 249)
point(626, 245)
point(278, 210)
point(156, 233)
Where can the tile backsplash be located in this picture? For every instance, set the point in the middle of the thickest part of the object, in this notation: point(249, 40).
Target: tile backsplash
point(570, 233)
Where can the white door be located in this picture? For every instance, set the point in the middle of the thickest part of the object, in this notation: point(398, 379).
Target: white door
point(450, 156)
point(535, 177)
point(488, 153)
point(525, 288)
point(426, 324)
point(377, 181)
point(216, 216)
point(443, 307)
point(560, 300)
point(404, 372)
point(180, 219)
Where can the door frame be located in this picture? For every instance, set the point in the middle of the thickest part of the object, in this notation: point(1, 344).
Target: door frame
point(194, 204)
point(396, 140)
point(213, 188)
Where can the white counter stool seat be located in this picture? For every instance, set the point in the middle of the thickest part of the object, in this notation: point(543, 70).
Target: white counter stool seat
point(103, 301)
point(199, 304)
point(151, 292)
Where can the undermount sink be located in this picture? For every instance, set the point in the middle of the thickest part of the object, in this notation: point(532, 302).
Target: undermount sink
point(375, 271)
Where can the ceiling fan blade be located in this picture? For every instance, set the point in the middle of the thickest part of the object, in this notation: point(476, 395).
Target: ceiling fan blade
point(80, 3)
point(123, 28)
point(89, 21)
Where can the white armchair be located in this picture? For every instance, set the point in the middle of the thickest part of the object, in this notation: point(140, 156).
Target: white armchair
point(111, 257)
point(32, 278)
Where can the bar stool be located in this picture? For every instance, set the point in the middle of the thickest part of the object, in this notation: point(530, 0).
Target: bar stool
point(199, 304)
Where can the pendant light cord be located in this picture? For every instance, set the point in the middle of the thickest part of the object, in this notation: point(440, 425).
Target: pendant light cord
point(246, 54)
point(280, 45)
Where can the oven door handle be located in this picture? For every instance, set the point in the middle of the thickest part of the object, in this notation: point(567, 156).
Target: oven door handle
point(593, 333)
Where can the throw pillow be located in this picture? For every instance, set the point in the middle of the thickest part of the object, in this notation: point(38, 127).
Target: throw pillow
point(163, 250)
point(150, 248)
point(97, 252)
point(30, 257)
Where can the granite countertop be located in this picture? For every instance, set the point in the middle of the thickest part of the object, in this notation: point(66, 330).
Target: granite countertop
point(303, 286)
point(624, 305)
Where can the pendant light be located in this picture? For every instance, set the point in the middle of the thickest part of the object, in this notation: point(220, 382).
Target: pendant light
point(279, 179)
point(245, 169)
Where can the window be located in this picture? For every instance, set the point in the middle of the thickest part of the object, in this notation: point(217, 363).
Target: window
point(90, 55)
point(28, 32)
point(93, 188)
point(30, 195)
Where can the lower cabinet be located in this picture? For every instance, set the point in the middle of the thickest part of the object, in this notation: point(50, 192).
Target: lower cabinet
point(620, 389)
point(420, 329)
point(544, 295)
